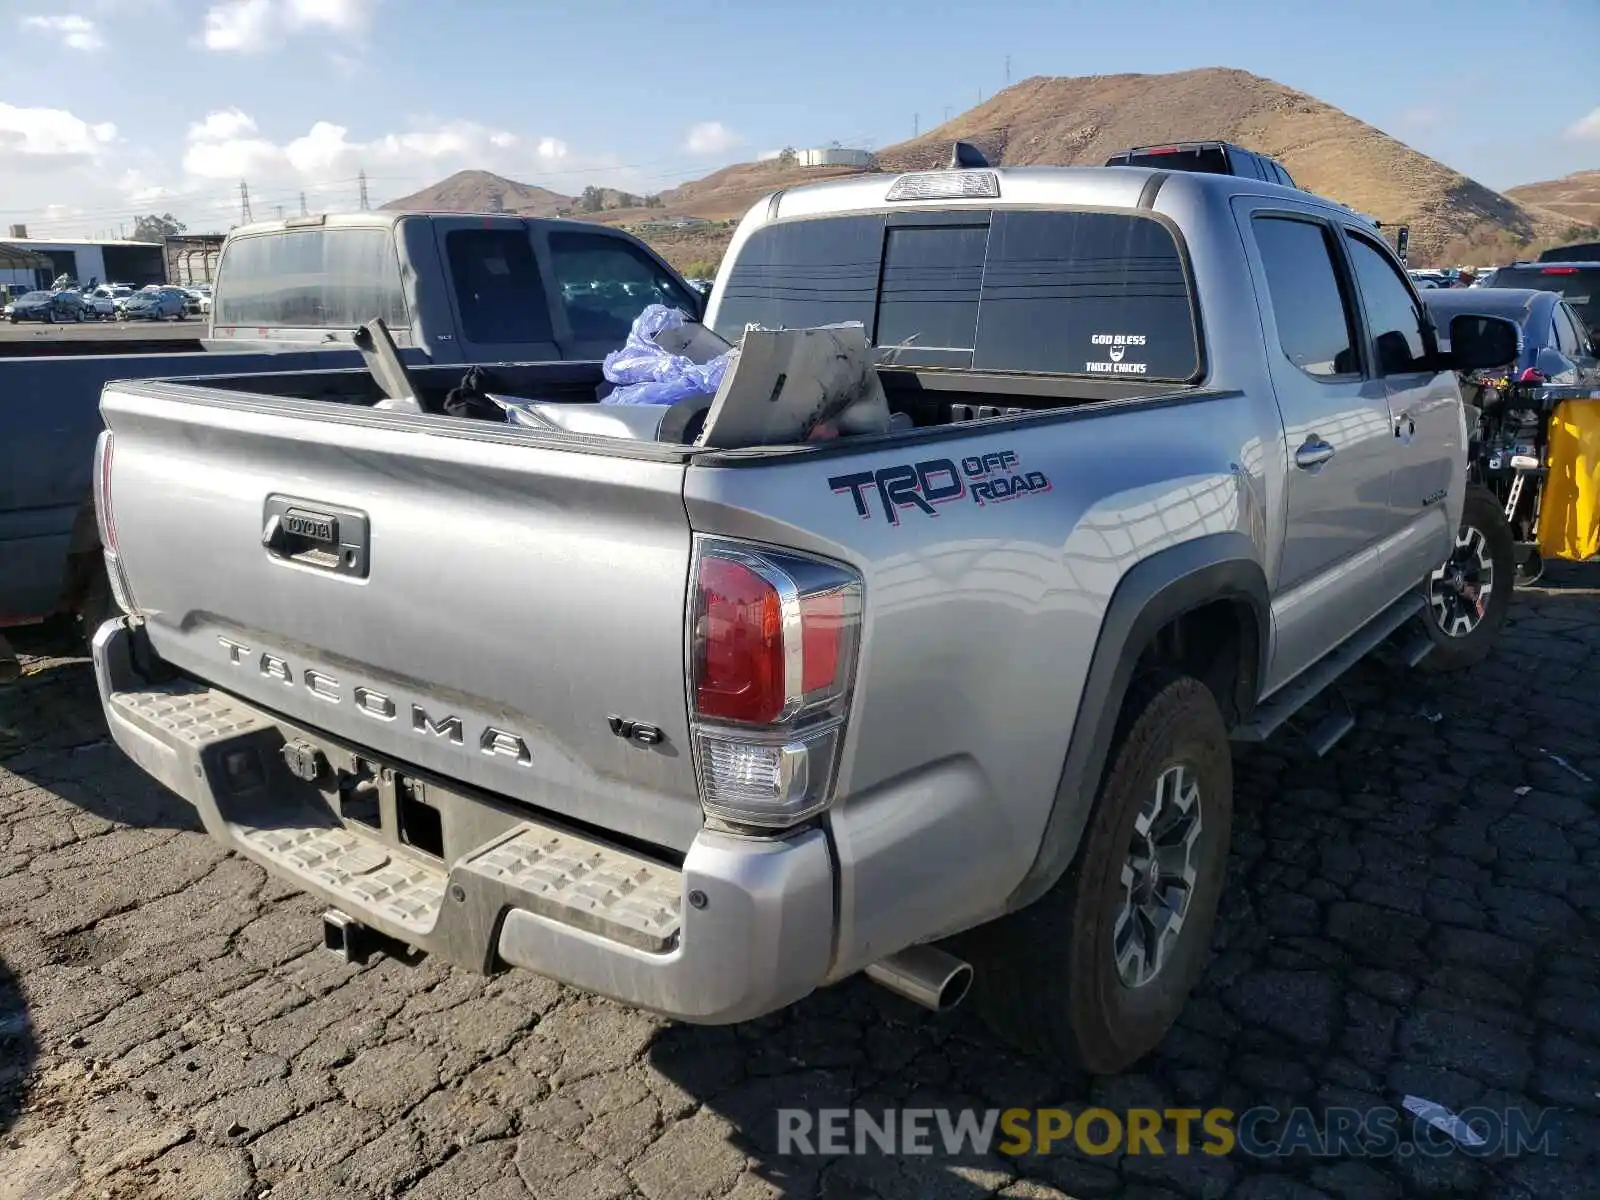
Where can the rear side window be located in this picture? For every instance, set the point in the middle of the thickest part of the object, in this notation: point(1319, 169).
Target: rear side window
point(311, 279)
point(1086, 293)
point(1395, 322)
point(802, 273)
point(498, 287)
point(1309, 307)
point(1566, 331)
point(606, 283)
point(931, 282)
point(1208, 160)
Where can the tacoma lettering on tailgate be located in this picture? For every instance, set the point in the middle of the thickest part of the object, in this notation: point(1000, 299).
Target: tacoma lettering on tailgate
point(377, 705)
point(987, 478)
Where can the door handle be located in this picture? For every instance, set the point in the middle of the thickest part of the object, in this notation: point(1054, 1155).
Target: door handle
point(1404, 427)
point(1312, 454)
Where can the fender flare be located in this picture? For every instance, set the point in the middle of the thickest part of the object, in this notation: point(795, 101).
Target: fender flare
point(1171, 582)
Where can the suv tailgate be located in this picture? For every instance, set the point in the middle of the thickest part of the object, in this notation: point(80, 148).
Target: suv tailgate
point(486, 604)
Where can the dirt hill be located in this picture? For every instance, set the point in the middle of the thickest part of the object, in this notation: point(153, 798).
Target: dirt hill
point(1084, 120)
point(1073, 120)
point(482, 191)
point(1576, 197)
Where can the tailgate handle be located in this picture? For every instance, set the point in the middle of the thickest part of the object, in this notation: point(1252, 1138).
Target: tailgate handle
point(324, 537)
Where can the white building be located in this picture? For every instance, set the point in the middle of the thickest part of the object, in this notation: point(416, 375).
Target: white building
point(832, 156)
point(105, 261)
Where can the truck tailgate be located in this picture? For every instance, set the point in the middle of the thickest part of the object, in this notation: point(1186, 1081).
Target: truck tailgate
point(474, 604)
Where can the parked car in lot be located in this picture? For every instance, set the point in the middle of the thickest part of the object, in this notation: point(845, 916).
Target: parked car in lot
point(54, 307)
point(1556, 344)
point(1211, 157)
point(1182, 448)
point(157, 304)
point(1578, 283)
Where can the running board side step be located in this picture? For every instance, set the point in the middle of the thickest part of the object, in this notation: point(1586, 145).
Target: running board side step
point(1272, 712)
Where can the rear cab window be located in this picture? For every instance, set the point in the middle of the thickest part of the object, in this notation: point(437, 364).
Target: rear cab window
point(311, 279)
point(1097, 294)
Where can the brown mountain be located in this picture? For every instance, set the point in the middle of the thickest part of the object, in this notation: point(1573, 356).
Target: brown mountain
point(1084, 120)
point(1575, 196)
point(483, 191)
point(1072, 120)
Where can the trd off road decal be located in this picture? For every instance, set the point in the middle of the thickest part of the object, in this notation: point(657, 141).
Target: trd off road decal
point(985, 478)
point(1115, 347)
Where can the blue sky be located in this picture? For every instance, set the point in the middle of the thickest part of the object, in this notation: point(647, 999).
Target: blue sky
point(113, 107)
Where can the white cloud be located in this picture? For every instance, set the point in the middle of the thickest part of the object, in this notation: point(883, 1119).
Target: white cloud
point(1585, 129)
point(710, 137)
point(228, 146)
point(252, 26)
point(75, 32)
point(50, 133)
point(139, 190)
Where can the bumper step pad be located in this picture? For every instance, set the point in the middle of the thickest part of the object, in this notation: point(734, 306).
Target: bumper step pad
point(602, 889)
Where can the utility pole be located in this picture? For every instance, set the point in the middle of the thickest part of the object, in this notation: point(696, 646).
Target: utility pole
point(916, 124)
point(947, 113)
point(245, 216)
point(363, 178)
point(1008, 70)
point(303, 205)
point(280, 212)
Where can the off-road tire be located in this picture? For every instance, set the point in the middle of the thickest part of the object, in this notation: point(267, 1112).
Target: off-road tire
point(1481, 513)
point(1046, 978)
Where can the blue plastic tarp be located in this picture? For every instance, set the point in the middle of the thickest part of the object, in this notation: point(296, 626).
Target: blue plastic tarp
point(644, 373)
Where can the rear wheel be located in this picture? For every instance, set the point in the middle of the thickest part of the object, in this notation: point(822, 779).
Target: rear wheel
point(1470, 594)
point(1094, 974)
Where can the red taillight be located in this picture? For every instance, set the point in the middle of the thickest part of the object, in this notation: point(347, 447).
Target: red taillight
point(822, 634)
point(1559, 271)
point(1160, 150)
point(740, 665)
point(1531, 375)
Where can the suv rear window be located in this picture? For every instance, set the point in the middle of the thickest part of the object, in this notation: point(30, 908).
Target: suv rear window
point(1580, 252)
point(311, 279)
point(1578, 286)
point(1074, 293)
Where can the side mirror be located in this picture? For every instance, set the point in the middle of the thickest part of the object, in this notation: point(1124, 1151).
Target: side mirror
point(1478, 343)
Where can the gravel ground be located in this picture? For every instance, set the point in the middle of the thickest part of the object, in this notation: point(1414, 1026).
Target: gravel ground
point(1415, 914)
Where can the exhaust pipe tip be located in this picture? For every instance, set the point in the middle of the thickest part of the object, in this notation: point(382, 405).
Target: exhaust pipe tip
point(924, 975)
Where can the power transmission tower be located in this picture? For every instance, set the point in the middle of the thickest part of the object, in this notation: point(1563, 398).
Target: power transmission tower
point(363, 178)
point(1008, 70)
point(303, 204)
point(280, 212)
point(916, 124)
point(947, 113)
point(245, 216)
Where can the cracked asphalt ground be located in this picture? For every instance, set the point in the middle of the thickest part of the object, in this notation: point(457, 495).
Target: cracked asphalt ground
point(1415, 914)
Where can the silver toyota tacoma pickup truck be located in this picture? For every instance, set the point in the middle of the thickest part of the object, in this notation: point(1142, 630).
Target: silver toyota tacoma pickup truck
point(707, 729)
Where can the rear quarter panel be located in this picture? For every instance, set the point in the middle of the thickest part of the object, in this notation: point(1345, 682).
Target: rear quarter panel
point(980, 622)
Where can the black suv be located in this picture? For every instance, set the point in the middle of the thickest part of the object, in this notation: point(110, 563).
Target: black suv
point(1211, 158)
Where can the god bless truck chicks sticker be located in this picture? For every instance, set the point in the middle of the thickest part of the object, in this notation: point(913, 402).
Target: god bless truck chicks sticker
point(1115, 347)
point(984, 478)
